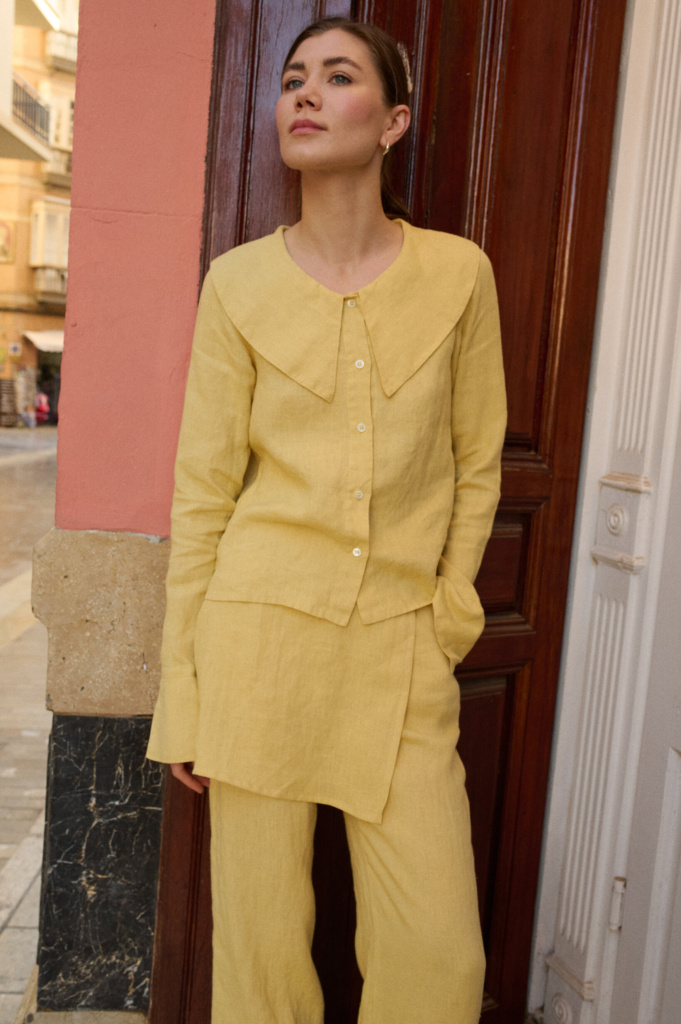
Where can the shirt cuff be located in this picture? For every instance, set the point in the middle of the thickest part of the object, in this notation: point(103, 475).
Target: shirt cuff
point(458, 615)
point(173, 727)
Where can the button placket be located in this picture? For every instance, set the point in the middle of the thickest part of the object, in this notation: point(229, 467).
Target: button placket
point(360, 463)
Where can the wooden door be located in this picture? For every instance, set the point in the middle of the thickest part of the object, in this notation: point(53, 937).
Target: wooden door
point(509, 145)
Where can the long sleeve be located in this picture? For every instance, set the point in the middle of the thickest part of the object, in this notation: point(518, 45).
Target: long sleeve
point(478, 428)
point(212, 456)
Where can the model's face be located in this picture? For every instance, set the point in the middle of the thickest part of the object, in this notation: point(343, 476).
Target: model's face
point(331, 81)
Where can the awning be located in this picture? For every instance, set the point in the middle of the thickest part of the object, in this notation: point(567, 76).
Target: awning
point(46, 341)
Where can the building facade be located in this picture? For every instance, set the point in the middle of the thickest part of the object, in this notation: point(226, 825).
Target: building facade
point(37, 93)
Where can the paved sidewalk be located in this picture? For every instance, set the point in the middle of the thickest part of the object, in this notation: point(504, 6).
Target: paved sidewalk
point(27, 439)
point(27, 477)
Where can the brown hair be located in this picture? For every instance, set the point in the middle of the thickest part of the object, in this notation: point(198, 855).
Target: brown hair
point(388, 62)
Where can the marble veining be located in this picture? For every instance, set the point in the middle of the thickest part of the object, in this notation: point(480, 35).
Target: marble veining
point(100, 869)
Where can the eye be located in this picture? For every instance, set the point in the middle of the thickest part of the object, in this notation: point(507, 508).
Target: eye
point(292, 83)
point(339, 74)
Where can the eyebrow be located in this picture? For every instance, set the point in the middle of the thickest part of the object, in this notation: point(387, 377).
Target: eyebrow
point(299, 65)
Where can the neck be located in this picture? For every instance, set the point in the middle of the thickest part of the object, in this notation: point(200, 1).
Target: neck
point(342, 222)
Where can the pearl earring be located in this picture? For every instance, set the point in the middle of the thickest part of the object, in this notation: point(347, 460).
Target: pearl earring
point(386, 149)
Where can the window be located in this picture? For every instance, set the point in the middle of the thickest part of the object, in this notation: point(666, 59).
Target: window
point(50, 232)
point(60, 102)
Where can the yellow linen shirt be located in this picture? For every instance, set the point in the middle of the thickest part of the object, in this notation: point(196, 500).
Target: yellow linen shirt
point(322, 482)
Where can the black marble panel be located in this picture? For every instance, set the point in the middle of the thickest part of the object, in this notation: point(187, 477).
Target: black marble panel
point(100, 868)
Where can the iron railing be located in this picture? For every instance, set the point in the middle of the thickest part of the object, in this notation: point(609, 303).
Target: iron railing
point(29, 109)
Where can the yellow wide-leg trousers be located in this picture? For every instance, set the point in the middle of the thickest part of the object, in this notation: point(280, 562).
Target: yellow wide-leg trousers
point(418, 940)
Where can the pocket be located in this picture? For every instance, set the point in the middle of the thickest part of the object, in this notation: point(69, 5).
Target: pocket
point(458, 614)
point(433, 638)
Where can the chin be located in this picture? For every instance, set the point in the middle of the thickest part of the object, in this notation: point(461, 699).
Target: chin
point(311, 161)
point(307, 162)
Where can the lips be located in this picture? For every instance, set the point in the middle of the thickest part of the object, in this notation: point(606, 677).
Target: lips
point(303, 126)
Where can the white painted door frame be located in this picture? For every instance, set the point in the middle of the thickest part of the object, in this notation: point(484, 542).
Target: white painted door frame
point(623, 507)
point(647, 976)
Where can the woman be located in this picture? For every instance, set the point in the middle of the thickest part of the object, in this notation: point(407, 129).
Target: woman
point(336, 480)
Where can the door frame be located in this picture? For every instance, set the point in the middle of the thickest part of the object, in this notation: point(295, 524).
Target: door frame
point(617, 559)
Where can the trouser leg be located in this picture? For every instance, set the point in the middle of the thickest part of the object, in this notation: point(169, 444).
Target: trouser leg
point(263, 909)
point(418, 941)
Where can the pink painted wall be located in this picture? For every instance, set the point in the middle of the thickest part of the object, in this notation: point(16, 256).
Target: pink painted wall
point(141, 121)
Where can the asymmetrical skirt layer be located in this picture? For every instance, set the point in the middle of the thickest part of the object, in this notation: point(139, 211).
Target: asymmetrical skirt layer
point(297, 707)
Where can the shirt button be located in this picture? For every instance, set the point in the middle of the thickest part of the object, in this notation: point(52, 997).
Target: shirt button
point(357, 552)
point(361, 427)
point(359, 364)
point(351, 302)
point(359, 494)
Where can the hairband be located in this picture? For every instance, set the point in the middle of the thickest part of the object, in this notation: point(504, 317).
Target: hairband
point(405, 60)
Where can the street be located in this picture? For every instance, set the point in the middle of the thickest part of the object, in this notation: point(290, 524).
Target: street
point(28, 468)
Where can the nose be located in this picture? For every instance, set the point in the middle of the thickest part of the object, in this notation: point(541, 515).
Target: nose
point(307, 95)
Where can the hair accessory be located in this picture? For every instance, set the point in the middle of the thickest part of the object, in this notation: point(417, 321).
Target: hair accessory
point(405, 60)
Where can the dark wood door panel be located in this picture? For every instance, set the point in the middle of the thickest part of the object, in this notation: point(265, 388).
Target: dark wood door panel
point(525, 476)
point(418, 25)
point(500, 582)
point(333, 945)
point(506, 76)
point(249, 190)
point(486, 705)
point(182, 970)
point(493, 707)
point(509, 145)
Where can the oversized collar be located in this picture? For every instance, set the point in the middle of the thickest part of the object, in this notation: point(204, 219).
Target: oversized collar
point(294, 321)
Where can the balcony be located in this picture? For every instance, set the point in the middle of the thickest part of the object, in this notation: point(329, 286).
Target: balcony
point(29, 110)
point(61, 51)
point(49, 285)
point(36, 13)
point(58, 171)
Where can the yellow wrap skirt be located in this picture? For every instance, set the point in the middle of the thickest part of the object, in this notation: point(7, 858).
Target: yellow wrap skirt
point(298, 707)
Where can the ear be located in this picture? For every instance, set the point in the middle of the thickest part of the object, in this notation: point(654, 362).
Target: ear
point(399, 121)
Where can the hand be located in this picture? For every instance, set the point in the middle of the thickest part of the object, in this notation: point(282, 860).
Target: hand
point(184, 772)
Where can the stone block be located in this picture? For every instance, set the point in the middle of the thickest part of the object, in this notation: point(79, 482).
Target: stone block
point(101, 596)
